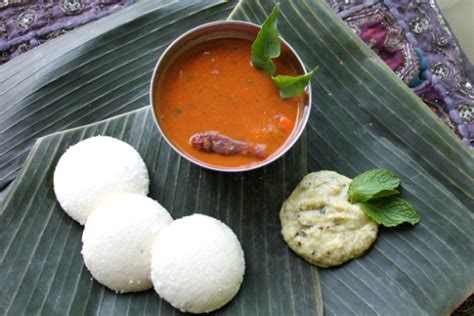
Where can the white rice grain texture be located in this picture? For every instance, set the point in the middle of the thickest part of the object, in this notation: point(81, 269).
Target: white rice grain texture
point(93, 171)
point(118, 239)
point(197, 264)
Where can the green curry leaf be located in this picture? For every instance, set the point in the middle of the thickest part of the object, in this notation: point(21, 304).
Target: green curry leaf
point(390, 211)
point(373, 184)
point(267, 44)
point(292, 86)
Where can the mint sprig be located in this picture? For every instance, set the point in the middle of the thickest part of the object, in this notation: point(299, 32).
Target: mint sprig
point(292, 86)
point(374, 192)
point(373, 184)
point(390, 211)
point(267, 44)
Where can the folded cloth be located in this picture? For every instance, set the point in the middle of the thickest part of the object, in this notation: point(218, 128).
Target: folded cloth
point(413, 39)
point(25, 24)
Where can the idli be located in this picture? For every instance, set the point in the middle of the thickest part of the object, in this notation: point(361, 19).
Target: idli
point(197, 264)
point(118, 239)
point(94, 170)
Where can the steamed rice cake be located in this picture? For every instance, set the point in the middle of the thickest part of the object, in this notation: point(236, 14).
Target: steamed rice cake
point(197, 264)
point(94, 170)
point(118, 238)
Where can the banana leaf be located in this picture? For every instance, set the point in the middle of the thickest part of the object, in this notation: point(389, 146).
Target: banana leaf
point(42, 270)
point(96, 71)
point(363, 117)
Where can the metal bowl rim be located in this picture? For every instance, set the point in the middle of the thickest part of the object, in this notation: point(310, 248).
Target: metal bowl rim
point(287, 146)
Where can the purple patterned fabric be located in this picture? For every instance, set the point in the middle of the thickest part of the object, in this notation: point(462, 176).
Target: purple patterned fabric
point(381, 33)
point(25, 24)
point(413, 39)
point(427, 30)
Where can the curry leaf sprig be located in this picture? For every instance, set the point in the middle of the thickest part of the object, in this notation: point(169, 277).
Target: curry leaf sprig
point(266, 46)
point(292, 86)
point(375, 192)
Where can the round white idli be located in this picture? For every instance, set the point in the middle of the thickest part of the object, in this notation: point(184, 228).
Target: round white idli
point(94, 170)
point(118, 239)
point(197, 264)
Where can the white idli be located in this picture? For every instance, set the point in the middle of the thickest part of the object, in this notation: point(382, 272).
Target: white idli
point(197, 264)
point(94, 170)
point(118, 239)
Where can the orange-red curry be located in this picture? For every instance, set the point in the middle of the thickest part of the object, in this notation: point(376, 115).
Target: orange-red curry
point(214, 87)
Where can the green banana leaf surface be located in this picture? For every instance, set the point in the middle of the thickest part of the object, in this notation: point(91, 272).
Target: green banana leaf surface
point(41, 263)
point(362, 117)
point(94, 72)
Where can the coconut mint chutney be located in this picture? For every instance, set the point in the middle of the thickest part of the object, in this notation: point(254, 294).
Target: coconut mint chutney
point(321, 225)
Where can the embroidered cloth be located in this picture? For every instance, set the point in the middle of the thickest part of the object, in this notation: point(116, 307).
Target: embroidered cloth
point(25, 24)
point(413, 39)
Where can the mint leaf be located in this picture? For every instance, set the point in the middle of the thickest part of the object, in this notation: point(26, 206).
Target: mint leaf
point(267, 44)
point(390, 211)
point(374, 190)
point(373, 184)
point(292, 86)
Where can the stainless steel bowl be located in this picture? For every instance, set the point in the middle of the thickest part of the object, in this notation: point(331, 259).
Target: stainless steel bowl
point(228, 29)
